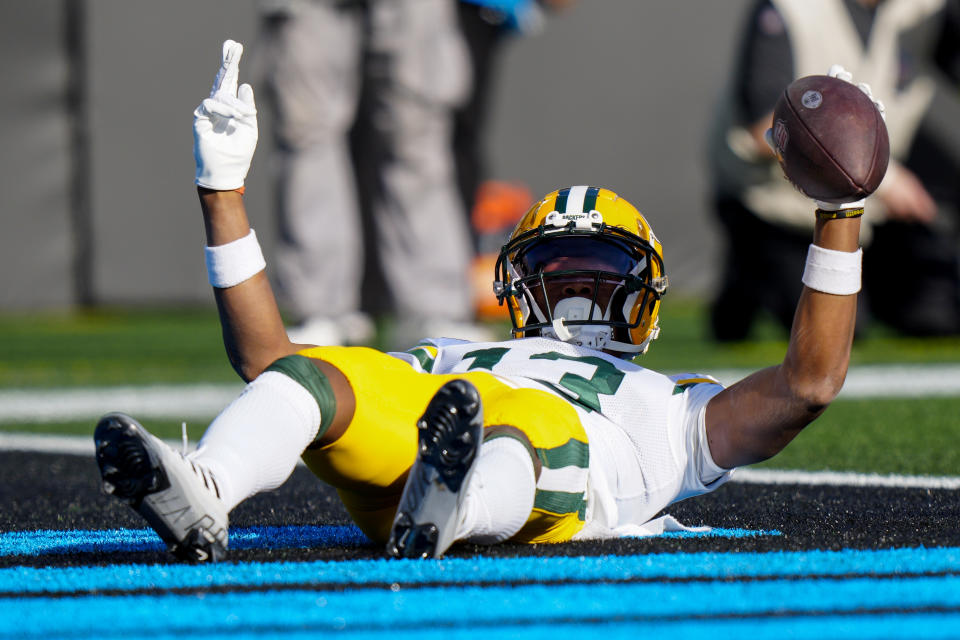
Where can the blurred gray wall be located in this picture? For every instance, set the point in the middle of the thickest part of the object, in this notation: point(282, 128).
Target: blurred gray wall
point(36, 254)
point(612, 92)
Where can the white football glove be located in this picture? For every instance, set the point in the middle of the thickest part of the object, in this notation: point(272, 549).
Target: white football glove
point(225, 127)
point(837, 71)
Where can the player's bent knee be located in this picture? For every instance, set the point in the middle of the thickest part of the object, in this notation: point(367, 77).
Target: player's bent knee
point(328, 386)
point(507, 431)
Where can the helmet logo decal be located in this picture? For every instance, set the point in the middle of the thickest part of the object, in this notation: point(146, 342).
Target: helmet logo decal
point(579, 220)
point(577, 199)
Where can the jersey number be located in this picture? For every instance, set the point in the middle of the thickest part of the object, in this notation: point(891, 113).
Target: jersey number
point(606, 378)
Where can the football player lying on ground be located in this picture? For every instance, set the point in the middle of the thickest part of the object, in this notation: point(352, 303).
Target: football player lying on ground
point(552, 436)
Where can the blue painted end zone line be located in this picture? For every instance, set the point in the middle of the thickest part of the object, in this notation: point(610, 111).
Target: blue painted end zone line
point(385, 572)
point(109, 540)
point(892, 593)
point(38, 543)
point(719, 532)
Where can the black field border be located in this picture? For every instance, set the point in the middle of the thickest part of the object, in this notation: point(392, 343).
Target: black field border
point(45, 491)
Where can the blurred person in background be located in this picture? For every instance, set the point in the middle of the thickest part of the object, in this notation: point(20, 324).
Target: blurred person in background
point(898, 47)
point(408, 59)
point(493, 206)
point(487, 25)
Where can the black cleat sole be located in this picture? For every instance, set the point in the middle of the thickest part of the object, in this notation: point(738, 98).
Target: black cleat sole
point(446, 441)
point(410, 540)
point(449, 435)
point(131, 472)
point(127, 469)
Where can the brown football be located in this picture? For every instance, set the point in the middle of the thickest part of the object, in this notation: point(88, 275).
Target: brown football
point(830, 139)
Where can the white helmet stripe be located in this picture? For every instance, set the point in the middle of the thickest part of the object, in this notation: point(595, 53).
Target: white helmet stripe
point(575, 200)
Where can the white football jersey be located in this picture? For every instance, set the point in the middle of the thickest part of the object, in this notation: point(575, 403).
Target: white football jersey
point(643, 427)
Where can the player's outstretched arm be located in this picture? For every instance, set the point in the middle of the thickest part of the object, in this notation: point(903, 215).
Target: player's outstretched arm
point(755, 418)
point(225, 137)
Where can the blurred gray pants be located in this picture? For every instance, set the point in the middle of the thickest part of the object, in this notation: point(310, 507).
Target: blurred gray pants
point(411, 54)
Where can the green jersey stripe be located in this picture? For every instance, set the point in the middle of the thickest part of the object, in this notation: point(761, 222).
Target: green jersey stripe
point(424, 357)
point(572, 453)
point(559, 502)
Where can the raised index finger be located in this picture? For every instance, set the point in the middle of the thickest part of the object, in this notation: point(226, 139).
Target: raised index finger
point(226, 80)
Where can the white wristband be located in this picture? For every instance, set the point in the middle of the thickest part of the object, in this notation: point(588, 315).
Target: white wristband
point(830, 271)
point(230, 264)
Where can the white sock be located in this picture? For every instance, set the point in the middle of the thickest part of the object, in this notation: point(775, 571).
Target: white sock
point(500, 495)
point(254, 444)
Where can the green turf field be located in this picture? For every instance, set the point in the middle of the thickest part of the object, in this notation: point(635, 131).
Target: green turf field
point(139, 347)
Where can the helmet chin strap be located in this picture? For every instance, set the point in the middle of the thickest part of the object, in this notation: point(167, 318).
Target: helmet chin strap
point(593, 336)
point(587, 335)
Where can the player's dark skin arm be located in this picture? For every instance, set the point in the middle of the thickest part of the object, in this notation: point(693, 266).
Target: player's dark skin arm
point(253, 331)
point(755, 418)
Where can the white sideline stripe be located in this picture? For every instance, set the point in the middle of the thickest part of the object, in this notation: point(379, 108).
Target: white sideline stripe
point(70, 445)
point(159, 401)
point(885, 381)
point(844, 479)
point(207, 400)
point(83, 445)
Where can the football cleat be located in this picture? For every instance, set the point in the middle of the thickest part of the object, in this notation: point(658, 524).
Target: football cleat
point(177, 497)
point(449, 435)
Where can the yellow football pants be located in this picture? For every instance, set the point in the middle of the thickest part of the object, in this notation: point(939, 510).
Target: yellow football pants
point(368, 464)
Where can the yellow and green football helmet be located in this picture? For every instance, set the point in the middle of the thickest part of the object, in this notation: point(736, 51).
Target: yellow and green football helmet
point(583, 266)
